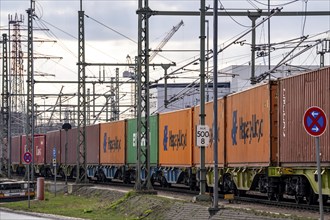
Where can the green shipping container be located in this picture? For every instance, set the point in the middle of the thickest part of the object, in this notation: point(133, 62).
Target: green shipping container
point(131, 155)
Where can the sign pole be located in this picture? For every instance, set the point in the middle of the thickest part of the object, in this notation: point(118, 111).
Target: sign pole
point(27, 159)
point(28, 170)
point(319, 177)
point(315, 124)
point(55, 177)
point(54, 164)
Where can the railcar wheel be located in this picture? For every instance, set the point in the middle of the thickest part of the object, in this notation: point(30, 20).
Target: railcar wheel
point(43, 172)
point(62, 174)
point(127, 180)
point(240, 193)
point(152, 180)
point(163, 182)
point(270, 196)
point(278, 197)
point(311, 198)
point(48, 173)
point(325, 198)
point(298, 199)
point(101, 177)
point(127, 177)
point(23, 171)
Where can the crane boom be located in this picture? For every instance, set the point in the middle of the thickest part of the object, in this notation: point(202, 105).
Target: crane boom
point(165, 40)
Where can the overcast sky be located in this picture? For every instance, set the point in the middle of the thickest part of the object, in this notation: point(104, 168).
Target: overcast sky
point(111, 33)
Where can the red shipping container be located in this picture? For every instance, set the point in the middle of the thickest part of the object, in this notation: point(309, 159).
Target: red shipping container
point(39, 148)
point(93, 144)
point(72, 146)
point(296, 95)
point(53, 139)
point(16, 143)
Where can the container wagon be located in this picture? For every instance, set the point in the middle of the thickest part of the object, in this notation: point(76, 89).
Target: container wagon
point(251, 139)
point(53, 140)
point(297, 170)
point(93, 149)
point(39, 156)
point(71, 139)
point(111, 150)
point(209, 150)
point(16, 159)
point(175, 146)
point(131, 150)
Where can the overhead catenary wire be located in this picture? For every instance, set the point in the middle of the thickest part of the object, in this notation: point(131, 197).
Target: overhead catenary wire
point(106, 26)
point(276, 5)
point(223, 8)
point(227, 46)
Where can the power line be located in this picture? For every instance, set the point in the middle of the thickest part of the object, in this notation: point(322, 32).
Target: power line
point(117, 32)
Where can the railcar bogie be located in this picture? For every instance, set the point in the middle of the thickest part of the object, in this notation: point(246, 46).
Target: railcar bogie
point(73, 173)
point(228, 185)
point(243, 178)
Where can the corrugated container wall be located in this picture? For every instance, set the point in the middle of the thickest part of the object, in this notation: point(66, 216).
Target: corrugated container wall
point(112, 143)
point(296, 95)
point(131, 154)
point(53, 139)
point(251, 128)
point(209, 150)
point(16, 143)
point(175, 138)
point(72, 146)
point(93, 144)
point(39, 148)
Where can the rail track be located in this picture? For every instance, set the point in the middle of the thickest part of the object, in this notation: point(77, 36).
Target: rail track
point(251, 198)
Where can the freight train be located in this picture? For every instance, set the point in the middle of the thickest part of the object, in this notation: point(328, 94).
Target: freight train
point(262, 144)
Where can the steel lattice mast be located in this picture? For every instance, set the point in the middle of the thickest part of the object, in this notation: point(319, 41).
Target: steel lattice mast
point(143, 152)
point(17, 64)
point(81, 143)
point(5, 151)
point(30, 89)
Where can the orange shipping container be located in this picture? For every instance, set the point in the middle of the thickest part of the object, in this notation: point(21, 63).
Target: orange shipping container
point(175, 138)
point(252, 127)
point(112, 143)
point(209, 158)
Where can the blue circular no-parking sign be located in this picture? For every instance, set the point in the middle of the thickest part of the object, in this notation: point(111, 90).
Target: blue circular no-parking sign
point(315, 121)
point(27, 157)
